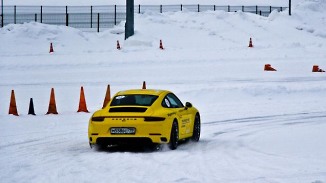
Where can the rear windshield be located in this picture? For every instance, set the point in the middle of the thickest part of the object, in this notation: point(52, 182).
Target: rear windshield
point(138, 100)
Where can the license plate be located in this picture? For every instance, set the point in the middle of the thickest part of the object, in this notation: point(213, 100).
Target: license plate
point(123, 130)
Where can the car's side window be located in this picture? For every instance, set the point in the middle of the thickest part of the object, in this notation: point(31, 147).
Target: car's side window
point(172, 101)
point(166, 103)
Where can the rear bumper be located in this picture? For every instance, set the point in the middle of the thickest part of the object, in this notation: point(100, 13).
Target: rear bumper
point(124, 141)
point(146, 133)
point(93, 139)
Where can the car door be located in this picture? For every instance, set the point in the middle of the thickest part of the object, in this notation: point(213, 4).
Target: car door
point(183, 114)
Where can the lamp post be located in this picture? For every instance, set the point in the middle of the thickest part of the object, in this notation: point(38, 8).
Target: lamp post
point(129, 25)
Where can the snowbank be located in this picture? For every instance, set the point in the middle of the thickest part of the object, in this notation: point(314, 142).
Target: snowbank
point(256, 126)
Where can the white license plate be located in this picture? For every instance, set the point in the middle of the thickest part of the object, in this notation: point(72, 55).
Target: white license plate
point(122, 130)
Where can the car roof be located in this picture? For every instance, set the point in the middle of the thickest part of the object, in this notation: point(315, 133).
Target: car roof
point(143, 91)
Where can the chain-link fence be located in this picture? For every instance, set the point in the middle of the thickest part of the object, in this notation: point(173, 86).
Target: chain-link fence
point(96, 17)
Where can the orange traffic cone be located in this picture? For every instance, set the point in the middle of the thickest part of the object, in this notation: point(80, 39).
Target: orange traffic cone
point(316, 68)
point(118, 45)
point(250, 43)
point(51, 48)
point(107, 97)
point(268, 67)
point(161, 45)
point(13, 106)
point(52, 106)
point(144, 85)
point(82, 102)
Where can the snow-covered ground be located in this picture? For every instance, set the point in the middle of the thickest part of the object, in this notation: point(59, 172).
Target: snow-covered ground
point(256, 126)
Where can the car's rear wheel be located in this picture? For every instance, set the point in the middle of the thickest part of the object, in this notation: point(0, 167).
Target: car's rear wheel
point(196, 131)
point(174, 137)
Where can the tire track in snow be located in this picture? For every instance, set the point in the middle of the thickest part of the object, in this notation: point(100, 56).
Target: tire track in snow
point(277, 118)
point(234, 141)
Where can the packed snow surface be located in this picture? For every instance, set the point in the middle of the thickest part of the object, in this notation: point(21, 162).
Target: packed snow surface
point(256, 126)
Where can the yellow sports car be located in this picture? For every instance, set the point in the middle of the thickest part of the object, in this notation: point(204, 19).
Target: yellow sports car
point(144, 117)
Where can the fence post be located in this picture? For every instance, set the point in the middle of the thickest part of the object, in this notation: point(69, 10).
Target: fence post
point(139, 9)
point(198, 8)
point(281, 8)
point(228, 8)
point(35, 17)
point(91, 16)
point(214, 8)
point(181, 7)
point(270, 9)
point(242, 8)
point(41, 14)
point(260, 12)
point(256, 9)
point(290, 7)
point(15, 14)
point(67, 19)
point(115, 14)
point(2, 13)
point(161, 8)
point(98, 22)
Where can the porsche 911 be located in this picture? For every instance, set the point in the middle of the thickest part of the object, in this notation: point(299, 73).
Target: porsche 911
point(144, 117)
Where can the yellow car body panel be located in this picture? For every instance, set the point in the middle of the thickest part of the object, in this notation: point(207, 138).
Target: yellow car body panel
point(151, 122)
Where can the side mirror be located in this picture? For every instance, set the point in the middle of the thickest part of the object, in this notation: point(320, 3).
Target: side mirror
point(188, 105)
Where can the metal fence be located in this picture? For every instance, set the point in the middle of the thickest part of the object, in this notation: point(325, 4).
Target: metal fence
point(106, 16)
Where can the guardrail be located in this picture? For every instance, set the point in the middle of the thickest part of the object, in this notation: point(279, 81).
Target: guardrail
point(107, 16)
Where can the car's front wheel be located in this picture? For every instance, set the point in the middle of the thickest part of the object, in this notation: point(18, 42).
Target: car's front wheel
point(174, 137)
point(196, 131)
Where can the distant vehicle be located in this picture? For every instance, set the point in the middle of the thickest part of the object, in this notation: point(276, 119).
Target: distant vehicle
point(144, 117)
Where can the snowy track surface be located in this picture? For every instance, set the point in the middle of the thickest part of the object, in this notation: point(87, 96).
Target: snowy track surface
point(257, 126)
point(275, 148)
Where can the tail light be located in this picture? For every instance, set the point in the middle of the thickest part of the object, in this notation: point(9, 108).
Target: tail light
point(153, 119)
point(98, 119)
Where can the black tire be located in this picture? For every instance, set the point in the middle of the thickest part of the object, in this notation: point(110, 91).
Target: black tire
point(174, 137)
point(196, 131)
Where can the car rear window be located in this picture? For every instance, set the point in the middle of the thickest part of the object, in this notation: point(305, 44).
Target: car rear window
point(138, 100)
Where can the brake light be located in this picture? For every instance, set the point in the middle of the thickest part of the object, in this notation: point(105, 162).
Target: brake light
point(149, 119)
point(98, 119)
